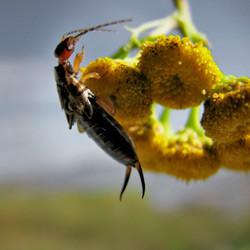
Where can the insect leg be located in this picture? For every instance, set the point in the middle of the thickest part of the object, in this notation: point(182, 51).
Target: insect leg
point(88, 109)
point(107, 104)
point(126, 179)
point(79, 127)
point(139, 169)
point(87, 76)
point(85, 95)
point(77, 61)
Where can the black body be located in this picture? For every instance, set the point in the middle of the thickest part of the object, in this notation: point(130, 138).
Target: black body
point(108, 134)
point(98, 124)
point(63, 93)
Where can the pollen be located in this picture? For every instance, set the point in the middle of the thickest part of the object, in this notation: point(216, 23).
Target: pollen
point(184, 156)
point(124, 86)
point(226, 115)
point(181, 73)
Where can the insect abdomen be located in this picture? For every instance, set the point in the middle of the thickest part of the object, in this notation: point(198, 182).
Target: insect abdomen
point(109, 135)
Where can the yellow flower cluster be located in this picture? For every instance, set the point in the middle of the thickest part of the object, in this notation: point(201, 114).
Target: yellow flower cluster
point(181, 73)
point(124, 86)
point(227, 114)
point(176, 73)
point(226, 119)
point(235, 155)
point(107, 70)
point(184, 156)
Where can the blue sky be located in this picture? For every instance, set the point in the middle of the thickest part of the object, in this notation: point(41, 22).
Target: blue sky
point(33, 131)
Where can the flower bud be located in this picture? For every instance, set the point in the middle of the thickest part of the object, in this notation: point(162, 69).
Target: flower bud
point(235, 155)
point(184, 156)
point(181, 73)
point(226, 117)
point(124, 86)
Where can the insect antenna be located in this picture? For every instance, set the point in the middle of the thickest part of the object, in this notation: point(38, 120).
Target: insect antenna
point(97, 28)
point(80, 30)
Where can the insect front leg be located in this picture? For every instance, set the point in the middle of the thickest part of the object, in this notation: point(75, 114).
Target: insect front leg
point(77, 61)
point(82, 103)
point(107, 104)
point(76, 68)
point(90, 75)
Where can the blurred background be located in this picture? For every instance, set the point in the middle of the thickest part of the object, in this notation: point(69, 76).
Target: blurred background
point(58, 189)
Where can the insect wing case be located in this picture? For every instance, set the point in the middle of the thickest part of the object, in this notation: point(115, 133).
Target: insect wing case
point(63, 93)
point(108, 134)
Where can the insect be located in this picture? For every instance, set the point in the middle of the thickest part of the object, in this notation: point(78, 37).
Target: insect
point(81, 106)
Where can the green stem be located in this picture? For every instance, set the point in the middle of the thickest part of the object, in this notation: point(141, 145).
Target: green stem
point(125, 49)
point(153, 110)
point(147, 26)
point(227, 81)
point(164, 25)
point(232, 78)
point(159, 26)
point(186, 23)
point(182, 18)
point(193, 121)
point(165, 121)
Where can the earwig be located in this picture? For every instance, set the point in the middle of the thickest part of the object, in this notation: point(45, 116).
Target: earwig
point(81, 106)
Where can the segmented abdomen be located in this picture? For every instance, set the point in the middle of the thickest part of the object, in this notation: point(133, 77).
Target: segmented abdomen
point(109, 135)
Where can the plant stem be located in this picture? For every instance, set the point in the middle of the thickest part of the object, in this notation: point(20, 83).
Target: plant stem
point(186, 24)
point(232, 78)
point(125, 49)
point(159, 26)
point(193, 121)
point(165, 121)
point(153, 110)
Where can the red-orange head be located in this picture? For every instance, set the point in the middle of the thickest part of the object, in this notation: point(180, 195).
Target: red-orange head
point(66, 47)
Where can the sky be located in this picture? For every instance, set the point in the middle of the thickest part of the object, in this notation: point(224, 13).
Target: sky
point(35, 141)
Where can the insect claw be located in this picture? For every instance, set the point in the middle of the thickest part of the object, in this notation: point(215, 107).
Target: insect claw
point(88, 108)
point(139, 169)
point(126, 179)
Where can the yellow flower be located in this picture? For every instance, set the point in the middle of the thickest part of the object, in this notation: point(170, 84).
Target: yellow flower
point(181, 73)
point(125, 86)
point(185, 156)
point(107, 70)
point(226, 117)
point(235, 155)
